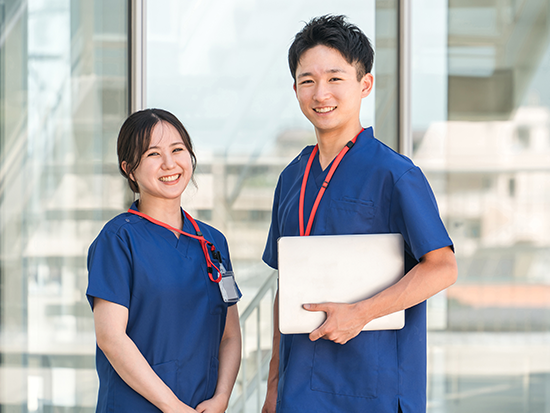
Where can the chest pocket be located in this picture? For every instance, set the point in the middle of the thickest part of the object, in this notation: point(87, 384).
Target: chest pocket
point(350, 216)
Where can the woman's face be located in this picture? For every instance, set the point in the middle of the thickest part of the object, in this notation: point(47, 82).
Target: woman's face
point(165, 168)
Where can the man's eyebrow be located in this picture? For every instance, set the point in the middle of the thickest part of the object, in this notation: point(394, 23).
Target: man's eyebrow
point(305, 74)
point(336, 70)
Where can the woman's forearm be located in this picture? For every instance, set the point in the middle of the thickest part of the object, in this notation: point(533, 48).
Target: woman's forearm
point(230, 354)
point(110, 321)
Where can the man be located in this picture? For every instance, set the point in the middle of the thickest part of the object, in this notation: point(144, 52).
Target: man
point(338, 367)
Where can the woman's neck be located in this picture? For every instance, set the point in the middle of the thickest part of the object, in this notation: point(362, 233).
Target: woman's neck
point(164, 210)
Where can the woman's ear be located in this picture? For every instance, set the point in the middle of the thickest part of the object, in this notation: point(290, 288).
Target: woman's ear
point(124, 166)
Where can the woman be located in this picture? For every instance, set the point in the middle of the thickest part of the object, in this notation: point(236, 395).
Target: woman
point(166, 338)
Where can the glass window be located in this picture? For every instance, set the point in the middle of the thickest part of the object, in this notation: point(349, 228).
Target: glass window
point(481, 120)
point(221, 67)
point(63, 97)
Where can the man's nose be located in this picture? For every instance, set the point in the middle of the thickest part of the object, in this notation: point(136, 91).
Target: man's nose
point(322, 92)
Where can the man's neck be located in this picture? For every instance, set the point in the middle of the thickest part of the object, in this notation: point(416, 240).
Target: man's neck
point(331, 143)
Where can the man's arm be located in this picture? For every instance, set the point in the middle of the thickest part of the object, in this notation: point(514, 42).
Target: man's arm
point(270, 403)
point(436, 271)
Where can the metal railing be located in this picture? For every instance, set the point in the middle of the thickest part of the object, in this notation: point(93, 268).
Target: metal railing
point(254, 368)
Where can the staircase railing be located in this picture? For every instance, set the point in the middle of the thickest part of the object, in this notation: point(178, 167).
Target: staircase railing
point(254, 368)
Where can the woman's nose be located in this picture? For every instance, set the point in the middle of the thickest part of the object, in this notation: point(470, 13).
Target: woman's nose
point(168, 161)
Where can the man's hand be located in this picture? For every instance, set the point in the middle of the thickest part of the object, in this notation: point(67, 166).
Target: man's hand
point(436, 271)
point(270, 404)
point(343, 322)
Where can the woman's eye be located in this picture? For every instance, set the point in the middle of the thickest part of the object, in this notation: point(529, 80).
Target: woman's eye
point(152, 154)
point(178, 149)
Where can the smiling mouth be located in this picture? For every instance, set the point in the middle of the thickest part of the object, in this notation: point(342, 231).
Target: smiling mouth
point(170, 178)
point(325, 109)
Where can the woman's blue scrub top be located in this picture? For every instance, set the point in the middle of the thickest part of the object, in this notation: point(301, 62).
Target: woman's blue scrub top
point(176, 315)
point(374, 190)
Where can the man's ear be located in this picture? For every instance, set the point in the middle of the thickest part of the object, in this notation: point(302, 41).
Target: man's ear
point(294, 87)
point(367, 83)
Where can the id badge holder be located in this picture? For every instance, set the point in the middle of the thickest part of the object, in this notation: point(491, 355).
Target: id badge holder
point(228, 286)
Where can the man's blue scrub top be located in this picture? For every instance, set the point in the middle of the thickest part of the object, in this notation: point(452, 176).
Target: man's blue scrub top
point(374, 190)
point(176, 314)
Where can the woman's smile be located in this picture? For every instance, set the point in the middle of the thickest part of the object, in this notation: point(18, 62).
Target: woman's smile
point(170, 178)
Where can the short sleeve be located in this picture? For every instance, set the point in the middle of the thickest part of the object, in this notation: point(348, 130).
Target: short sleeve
point(109, 269)
point(414, 214)
point(270, 252)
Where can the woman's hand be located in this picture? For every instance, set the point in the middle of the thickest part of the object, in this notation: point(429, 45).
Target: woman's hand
point(217, 404)
point(179, 407)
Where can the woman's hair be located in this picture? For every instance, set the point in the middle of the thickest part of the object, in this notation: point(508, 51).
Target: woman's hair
point(134, 139)
point(334, 32)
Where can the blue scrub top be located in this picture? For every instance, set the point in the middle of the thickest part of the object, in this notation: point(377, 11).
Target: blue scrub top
point(176, 315)
point(374, 190)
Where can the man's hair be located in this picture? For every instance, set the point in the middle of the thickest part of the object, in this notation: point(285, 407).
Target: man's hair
point(334, 32)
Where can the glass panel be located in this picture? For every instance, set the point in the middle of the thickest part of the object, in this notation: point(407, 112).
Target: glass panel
point(63, 96)
point(221, 67)
point(481, 119)
point(228, 81)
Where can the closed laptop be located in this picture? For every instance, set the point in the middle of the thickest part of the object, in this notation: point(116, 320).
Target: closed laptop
point(336, 268)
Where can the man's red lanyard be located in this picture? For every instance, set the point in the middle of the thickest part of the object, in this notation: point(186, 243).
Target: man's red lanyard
point(204, 243)
point(323, 188)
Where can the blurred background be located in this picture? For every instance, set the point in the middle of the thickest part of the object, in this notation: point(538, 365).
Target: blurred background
point(470, 104)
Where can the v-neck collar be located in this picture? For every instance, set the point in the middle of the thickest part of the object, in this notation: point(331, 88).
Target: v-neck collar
point(180, 243)
point(317, 173)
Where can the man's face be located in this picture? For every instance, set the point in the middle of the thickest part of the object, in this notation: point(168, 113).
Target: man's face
point(328, 90)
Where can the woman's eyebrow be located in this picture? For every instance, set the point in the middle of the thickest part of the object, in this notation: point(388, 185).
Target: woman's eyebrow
point(172, 144)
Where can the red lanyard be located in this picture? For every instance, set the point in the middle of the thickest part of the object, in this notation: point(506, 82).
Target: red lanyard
point(323, 188)
point(204, 243)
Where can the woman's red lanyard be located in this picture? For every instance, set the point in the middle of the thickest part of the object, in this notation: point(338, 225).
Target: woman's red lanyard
point(323, 188)
point(204, 243)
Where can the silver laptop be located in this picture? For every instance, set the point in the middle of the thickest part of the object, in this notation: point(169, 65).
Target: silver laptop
point(336, 268)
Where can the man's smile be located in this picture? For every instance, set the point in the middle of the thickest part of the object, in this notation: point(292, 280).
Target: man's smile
point(325, 109)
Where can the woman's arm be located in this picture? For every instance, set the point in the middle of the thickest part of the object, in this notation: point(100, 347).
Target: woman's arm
point(230, 360)
point(110, 327)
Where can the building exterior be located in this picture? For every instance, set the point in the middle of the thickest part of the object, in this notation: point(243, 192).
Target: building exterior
point(460, 86)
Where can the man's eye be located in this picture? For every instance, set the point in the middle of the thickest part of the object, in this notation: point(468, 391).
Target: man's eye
point(334, 79)
point(306, 81)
